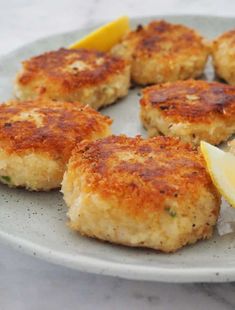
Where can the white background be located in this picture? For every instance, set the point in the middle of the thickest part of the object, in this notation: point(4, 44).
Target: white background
point(27, 283)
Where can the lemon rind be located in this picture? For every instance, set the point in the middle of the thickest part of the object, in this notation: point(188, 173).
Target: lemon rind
point(88, 41)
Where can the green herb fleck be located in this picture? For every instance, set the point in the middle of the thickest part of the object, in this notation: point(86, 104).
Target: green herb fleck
point(6, 178)
point(170, 212)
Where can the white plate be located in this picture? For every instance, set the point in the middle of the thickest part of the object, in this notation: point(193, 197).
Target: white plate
point(35, 222)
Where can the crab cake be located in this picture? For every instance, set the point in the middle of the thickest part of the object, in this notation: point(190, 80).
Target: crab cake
point(37, 137)
point(94, 78)
point(223, 53)
point(152, 193)
point(192, 110)
point(163, 52)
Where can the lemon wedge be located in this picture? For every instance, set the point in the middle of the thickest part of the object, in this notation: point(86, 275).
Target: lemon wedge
point(105, 37)
point(221, 166)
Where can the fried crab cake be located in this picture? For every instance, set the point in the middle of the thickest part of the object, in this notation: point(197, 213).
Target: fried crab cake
point(223, 53)
point(37, 137)
point(192, 110)
point(163, 52)
point(94, 78)
point(152, 193)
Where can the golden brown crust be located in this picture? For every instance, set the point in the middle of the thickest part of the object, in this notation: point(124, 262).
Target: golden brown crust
point(192, 101)
point(165, 38)
point(162, 52)
point(47, 126)
point(57, 66)
point(226, 35)
point(223, 52)
point(141, 174)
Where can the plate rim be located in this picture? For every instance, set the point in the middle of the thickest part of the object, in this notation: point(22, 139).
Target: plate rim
point(102, 21)
point(103, 266)
point(93, 265)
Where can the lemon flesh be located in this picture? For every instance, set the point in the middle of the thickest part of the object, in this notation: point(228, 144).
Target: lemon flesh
point(105, 37)
point(221, 167)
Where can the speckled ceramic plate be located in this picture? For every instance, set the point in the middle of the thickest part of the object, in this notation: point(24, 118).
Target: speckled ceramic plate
point(35, 222)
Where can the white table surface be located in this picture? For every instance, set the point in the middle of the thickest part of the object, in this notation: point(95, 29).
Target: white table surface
point(27, 283)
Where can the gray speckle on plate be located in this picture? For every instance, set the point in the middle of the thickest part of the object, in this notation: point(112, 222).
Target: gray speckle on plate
point(35, 222)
